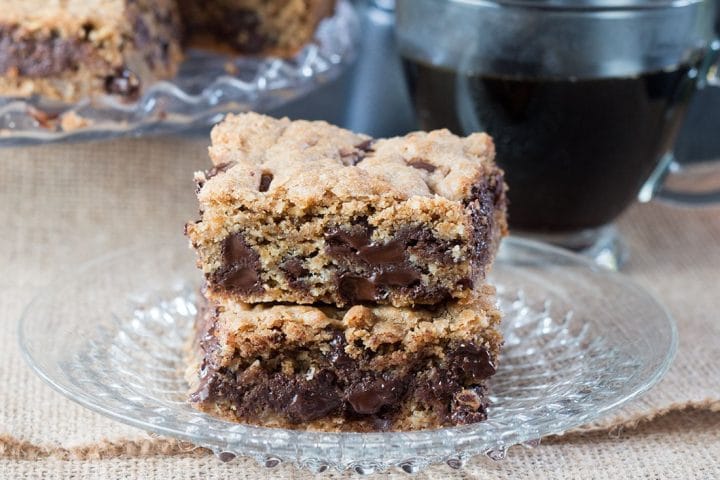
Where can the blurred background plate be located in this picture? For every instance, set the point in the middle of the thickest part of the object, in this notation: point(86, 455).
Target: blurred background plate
point(207, 86)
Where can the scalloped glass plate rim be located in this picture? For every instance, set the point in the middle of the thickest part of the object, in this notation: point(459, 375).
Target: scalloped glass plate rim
point(367, 438)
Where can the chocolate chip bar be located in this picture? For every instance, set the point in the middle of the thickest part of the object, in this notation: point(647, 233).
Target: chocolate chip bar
point(278, 28)
point(79, 48)
point(357, 369)
point(306, 212)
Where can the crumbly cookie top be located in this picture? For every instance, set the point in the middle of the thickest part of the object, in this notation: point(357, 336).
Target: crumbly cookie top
point(258, 155)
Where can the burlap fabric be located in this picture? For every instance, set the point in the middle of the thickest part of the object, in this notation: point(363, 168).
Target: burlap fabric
point(64, 204)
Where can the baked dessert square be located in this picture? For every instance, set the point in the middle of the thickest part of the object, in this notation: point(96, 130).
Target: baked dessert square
point(83, 48)
point(357, 369)
point(306, 212)
point(280, 27)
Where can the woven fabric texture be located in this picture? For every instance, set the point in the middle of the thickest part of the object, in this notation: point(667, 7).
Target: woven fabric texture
point(65, 204)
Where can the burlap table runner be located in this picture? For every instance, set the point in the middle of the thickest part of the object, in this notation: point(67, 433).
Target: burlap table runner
point(62, 205)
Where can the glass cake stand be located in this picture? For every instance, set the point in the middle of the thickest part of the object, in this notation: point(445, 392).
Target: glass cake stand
point(579, 342)
point(206, 87)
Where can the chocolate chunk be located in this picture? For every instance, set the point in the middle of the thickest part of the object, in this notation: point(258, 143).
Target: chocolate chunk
point(354, 243)
point(236, 251)
point(472, 361)
point(240, 279)
point(295, 272)
point(240, 271)
point(123, 83)
point(314, 399)
point(309, 405)
point(337, 356)
point(265, 180)
point(294, 268)
point(369, 396)
point(356, 289)
point(358, 153)
point(368, 270)
point(391, 252)
point(421, 164)
point(353, 238)
point(219, 168)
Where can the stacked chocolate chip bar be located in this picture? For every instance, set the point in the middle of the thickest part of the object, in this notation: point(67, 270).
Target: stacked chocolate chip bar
point(345, 276)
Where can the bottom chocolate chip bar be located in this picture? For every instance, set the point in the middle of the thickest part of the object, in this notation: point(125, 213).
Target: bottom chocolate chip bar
point(357, 369)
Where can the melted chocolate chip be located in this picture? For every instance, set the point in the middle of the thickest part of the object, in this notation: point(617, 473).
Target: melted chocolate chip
point(358, 153)
point(401, 276)
point(367, 271)
point(265, 180)
point(123, 83)
point(356, 289)
point(295, 272)
point(315, 398)
point(369, 396)
point(294, 268)
point(421, 164)
point(337, 355)
point(240, 271)
point(472, 361)
point(355, 237)
point(391, 252)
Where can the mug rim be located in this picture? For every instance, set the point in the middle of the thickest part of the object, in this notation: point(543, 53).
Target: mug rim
point(569, 6)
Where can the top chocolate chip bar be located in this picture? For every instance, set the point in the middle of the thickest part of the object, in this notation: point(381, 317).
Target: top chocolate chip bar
point(307, 212)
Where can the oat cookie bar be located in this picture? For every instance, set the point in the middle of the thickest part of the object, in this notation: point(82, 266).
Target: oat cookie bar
point(307, 212)
point(356, 369)
point(71, 49)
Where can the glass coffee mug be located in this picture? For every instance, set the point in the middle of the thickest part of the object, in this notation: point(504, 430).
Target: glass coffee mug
point(583, 99)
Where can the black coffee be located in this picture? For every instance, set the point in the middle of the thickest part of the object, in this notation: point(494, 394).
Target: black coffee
point(575, 151)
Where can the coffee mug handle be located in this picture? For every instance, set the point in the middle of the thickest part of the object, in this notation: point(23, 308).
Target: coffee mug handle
point(702, 179)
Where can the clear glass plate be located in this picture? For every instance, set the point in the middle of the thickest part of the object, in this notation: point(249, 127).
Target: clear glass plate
point(207, 86)
point(579, 341)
